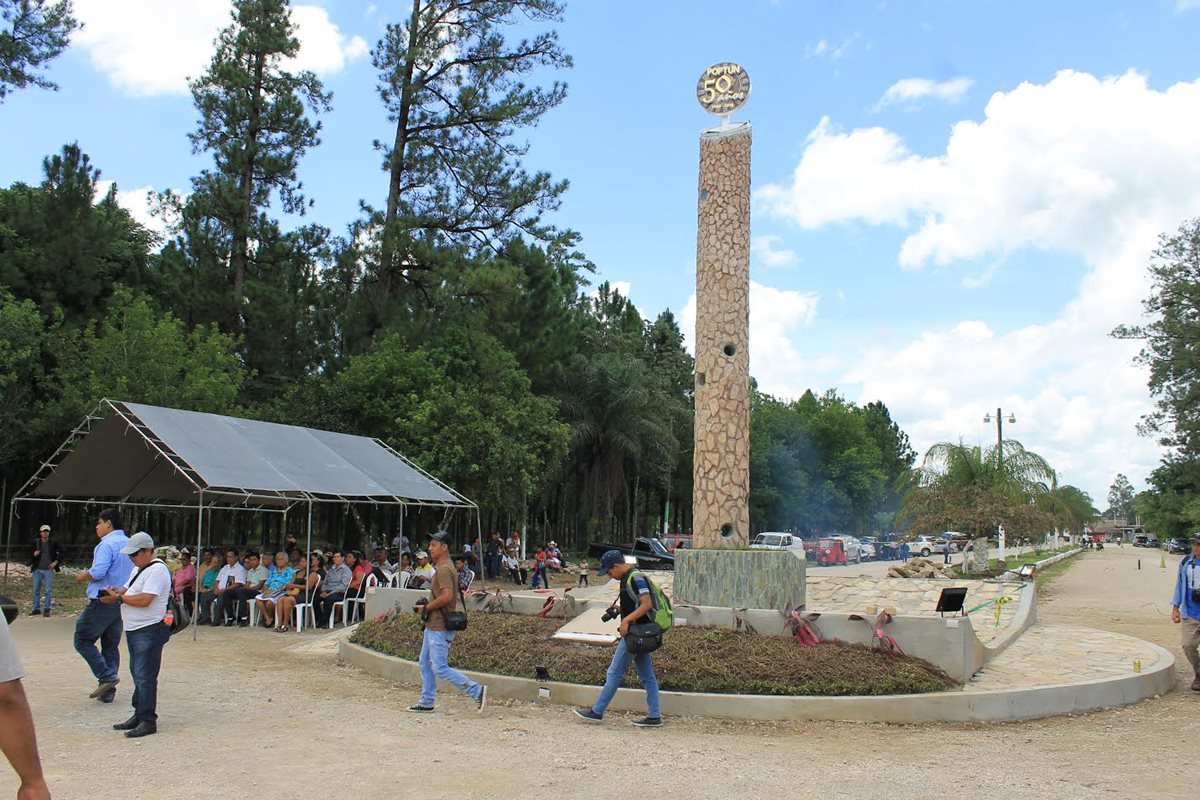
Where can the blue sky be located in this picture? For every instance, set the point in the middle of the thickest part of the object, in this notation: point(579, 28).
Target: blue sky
point(954, 202)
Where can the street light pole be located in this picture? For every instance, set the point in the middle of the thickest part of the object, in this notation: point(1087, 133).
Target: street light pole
point(1000, 461)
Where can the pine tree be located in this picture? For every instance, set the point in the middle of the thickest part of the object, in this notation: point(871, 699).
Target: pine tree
point(256, 119)
point(454, 88)
point(32, 32)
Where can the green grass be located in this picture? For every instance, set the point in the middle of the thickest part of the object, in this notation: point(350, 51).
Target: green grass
point(997, 567)
point(692, 659)
point(69, 596)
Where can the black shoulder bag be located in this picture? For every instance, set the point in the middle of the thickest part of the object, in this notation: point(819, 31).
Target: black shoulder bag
point(456, 620)
point(645, 635)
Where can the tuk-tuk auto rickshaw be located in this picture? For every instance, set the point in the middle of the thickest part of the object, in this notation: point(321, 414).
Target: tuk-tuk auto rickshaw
point(831, 552)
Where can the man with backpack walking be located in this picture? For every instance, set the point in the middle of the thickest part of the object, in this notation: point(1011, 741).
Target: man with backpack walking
point(640, 600)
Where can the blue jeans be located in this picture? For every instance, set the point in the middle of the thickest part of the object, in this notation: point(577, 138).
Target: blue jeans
point(103, 623)
point(540, 574)
point(145, 657)
point(617, 670)
point(435, 663)
point(43, 579)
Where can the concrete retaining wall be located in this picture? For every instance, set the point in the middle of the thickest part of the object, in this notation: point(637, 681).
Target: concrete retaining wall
point(993, 706)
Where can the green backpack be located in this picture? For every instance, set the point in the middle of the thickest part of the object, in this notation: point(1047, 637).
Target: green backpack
point(661, 611)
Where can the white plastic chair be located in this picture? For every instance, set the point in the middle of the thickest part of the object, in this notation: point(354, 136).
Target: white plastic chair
point(368, 583)
point(301, 609)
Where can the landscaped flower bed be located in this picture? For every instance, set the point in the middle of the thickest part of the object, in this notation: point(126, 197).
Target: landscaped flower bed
point(691, 660)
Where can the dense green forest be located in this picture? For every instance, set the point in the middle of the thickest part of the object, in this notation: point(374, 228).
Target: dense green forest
point(451, 319)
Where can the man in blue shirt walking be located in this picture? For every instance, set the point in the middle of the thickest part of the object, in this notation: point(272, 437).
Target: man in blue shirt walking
point(100, 621)
point(1185, 608)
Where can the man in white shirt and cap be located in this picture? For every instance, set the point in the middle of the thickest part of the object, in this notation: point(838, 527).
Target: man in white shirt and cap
point(143, 601)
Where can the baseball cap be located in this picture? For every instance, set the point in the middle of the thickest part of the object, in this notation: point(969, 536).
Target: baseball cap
point(440, 536)
point(609, 560)
point(139, 541)
point(1195, 539)
point(44, 528)
point(422, 554)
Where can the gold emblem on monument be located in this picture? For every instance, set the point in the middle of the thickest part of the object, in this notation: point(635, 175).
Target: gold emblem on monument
point(723, 88)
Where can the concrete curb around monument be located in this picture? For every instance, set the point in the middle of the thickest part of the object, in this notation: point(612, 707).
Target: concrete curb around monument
point(1000, 705)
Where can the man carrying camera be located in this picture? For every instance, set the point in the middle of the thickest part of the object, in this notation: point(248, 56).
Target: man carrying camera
point(441, 624)
point(612, 564)
point(1185, 608)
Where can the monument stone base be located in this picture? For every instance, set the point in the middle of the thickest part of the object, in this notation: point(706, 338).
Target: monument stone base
point(740, 578)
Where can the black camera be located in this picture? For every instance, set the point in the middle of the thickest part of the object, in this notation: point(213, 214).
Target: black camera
point(418, 608)
point(612, 612)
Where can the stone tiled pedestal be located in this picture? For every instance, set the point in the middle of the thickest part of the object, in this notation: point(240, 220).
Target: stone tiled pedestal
point(768, 579)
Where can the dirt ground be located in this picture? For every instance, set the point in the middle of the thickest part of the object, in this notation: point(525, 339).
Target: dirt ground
point(241, 714)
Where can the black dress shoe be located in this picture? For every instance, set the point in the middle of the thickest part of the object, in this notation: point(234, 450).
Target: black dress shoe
point(108, 696)
point(127, 725)
point(142, 729)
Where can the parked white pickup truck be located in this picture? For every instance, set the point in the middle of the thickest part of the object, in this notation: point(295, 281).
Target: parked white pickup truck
point(777, 541)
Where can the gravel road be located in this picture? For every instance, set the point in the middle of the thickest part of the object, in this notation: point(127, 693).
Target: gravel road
point(241, 714)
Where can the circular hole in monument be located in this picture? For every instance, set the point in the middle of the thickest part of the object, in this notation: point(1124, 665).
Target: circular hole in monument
point(730, 349)
point(703, 195)
point(727, 530)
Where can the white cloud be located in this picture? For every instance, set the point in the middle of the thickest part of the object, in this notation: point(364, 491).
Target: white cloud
point(1186, 5)
point(149, 47)
point(138, 202)
point(1094, 168)
point(766, 252)
point(776, 315)
point(911, 90)
point(834, 51)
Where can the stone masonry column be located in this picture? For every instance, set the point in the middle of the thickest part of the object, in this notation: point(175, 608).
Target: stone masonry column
point(721, 466)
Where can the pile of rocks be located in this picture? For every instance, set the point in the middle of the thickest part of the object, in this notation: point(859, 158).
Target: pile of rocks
point(919, 568)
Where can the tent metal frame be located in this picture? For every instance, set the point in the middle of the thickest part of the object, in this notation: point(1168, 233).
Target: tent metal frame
point(267, 500)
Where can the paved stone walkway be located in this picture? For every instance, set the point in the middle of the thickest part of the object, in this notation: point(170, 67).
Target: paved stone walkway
point(1048, 654)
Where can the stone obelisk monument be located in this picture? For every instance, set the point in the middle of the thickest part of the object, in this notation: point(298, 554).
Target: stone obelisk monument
point(720, 571)
point(721, 465)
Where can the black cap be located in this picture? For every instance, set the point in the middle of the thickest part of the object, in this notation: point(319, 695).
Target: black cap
point(440, 536)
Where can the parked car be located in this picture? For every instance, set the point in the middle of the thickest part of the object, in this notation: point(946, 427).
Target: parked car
point(777, 541)
point(924, 546)
point(1177, 546)
point(676, 541)
point(649, 552)
point(1152, 541)
point(1140, 540)
point(867, 550)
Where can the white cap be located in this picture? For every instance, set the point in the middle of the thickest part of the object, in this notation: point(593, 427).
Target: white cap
point(139, 541)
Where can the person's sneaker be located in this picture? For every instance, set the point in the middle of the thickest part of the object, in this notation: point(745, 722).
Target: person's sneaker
point(104, 687)
point(648, 722)
point(587, 715)
point(229, 623)
point(35, 612)
point(1196, 684)
point(46, 613)
point(481, 701)
point(245, 623)
point(420, 709)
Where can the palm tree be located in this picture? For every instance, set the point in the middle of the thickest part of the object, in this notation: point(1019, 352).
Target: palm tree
point(1070, 506)
point(977, 489)
point(620, 431)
